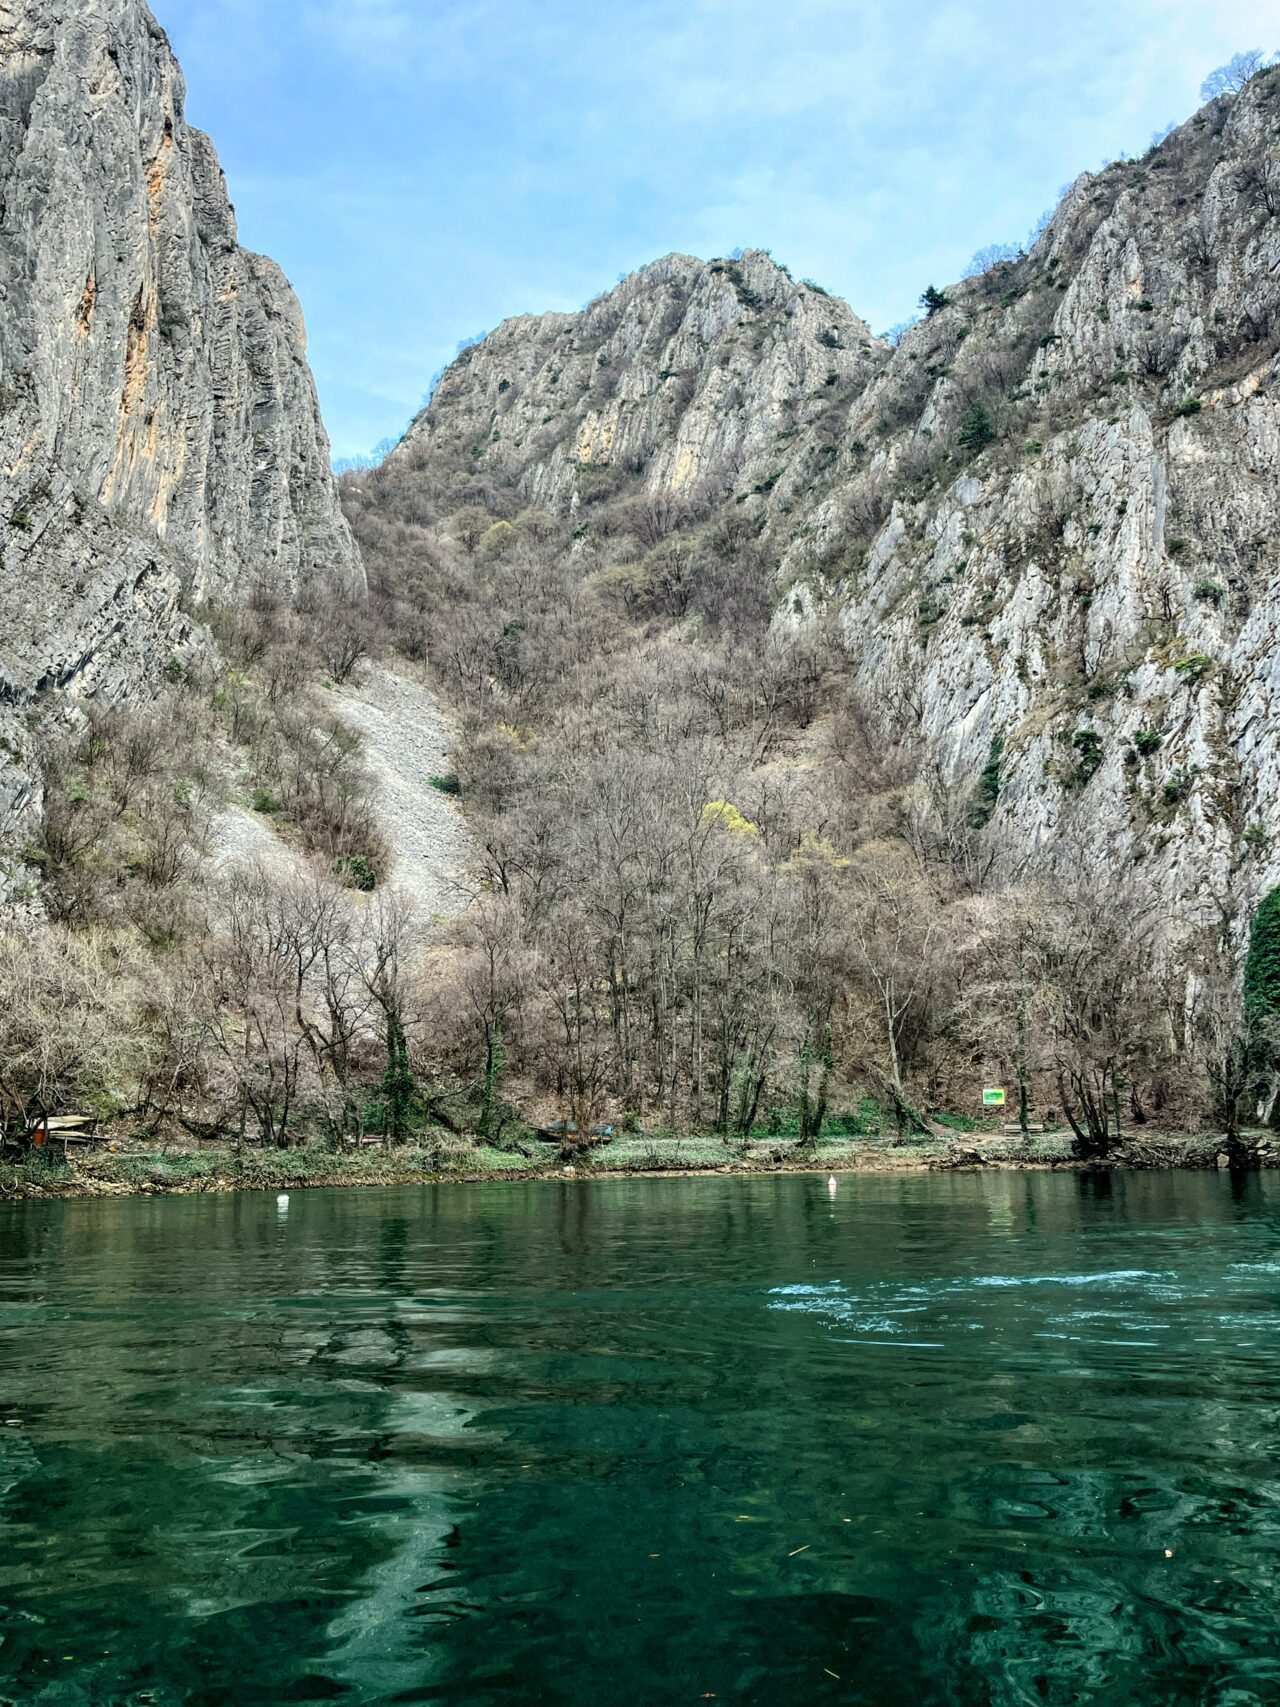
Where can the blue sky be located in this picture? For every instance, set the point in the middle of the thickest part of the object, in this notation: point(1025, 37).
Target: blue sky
point(424, 168)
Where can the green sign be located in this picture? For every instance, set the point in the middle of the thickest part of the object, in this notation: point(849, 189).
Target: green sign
point(993, 1096)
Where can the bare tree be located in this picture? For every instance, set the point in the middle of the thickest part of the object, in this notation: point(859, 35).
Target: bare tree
point(1101, 965)
point(1230, 78)
point(894, 922)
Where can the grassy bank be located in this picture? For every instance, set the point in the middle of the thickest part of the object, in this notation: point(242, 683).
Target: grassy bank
point(139, 1170)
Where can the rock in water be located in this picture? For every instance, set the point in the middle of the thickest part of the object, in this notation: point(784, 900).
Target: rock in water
point(160, 438)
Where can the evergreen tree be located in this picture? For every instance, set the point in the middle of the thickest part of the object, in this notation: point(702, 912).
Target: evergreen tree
point(494, 1060)
point(986, 795)
point(1262, 968)
point(397, 1082)
point(976, 430)
point(1262, 1000)
point(932, 300)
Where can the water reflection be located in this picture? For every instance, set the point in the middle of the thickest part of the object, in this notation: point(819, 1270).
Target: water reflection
point(958, 1440)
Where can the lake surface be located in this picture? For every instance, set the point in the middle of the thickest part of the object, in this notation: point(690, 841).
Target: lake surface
point(940, 1439)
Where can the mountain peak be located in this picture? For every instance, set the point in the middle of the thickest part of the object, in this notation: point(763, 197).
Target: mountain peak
point(691, 374)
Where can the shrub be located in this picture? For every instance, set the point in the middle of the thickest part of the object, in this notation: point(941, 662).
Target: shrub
point(986, 794)
point(954, 1122)
point(1147, 741)
point(1194, 668)
point(929, 612)
point(1209, 592)
point(866, 1119)
point(932, 300)
point(357, 872)
point(1177, 788)
point(1188, 406)
point(1087, 744)
point(976, 430)
point(447, 784)
point(726, 816)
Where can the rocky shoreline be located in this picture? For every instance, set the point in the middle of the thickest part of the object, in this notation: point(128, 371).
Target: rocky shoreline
point(186, 1173)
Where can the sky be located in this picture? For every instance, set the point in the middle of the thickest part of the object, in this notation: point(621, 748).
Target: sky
point(422, 169)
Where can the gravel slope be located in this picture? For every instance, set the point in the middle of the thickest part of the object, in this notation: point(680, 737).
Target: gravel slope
point(238, 836)
point(407, 741)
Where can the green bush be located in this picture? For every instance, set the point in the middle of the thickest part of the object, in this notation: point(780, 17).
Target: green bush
point(780, 1123)
point(1177, 788)
point(844, 1125)
point(447, 784)
point(861, 1122)
point(1194, 668)
point(1147, 741)
point(929, 612)
point(357, 872)
point(1209, 592)
point(1087, 744)
point(1188, 406)
point(976, 430)
point(954, 1122)
point(986, 794)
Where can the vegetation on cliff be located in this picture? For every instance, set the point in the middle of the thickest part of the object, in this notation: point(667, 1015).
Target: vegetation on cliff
point(842, 727)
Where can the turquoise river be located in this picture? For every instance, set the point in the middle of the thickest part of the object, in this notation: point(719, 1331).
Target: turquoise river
point(971, 1440)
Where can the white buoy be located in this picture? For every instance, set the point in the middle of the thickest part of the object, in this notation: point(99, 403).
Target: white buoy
point(282, 1203)
point(832, 1184)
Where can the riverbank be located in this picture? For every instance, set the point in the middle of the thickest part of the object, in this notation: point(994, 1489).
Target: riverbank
point(125, 1170)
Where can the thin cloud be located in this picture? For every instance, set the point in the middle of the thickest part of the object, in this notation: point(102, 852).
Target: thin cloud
point(423, 167)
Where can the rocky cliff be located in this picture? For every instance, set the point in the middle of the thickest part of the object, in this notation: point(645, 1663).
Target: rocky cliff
point(1047, 520)
point(690, 377)
point(1060, 548)
point(160, 439)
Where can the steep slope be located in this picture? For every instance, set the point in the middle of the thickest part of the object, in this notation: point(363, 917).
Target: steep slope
point(1046, 521)
point(407, 741)
point(160, 439)
point(1095, 591)
point(688, 377)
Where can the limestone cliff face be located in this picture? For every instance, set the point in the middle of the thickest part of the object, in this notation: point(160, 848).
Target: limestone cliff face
point(1048, 521)
point(1099, 589)
point(160, 439)
point(688, 375)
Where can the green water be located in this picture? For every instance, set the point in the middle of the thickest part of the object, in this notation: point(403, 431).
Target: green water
point(650, 1441)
